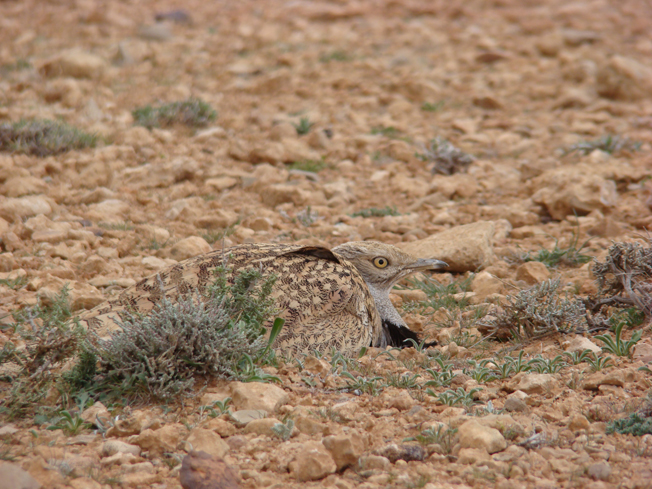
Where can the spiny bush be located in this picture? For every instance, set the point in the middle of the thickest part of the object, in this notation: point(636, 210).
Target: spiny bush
point(447, 158)
point(43, 137)
point(193, 112)
point(160, 354)
point(50, 340)
point(624, 280)
point(536, 311)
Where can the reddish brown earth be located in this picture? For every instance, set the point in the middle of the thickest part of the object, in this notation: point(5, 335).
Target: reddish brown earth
point(513, 83)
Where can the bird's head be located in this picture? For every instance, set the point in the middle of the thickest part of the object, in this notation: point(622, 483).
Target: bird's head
point(382, 265)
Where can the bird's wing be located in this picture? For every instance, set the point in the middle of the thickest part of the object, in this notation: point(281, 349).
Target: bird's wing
point(323, 299)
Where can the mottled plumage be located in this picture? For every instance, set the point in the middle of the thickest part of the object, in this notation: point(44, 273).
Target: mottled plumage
point(337, 298)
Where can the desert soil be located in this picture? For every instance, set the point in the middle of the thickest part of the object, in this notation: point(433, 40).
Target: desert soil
point(515, 84)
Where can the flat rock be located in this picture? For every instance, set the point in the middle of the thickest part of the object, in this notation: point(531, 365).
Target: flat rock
point(208, 441)
point(474, 435)
point(532, 383)
point(532, 272)
point(189, 247)
point(200, 470)
point(407, 452)
point(312, 462)
point(13, 477)
point(346, 449)
point(13, 209)
point(580, 343)
point(257, 395)
point(464, 248)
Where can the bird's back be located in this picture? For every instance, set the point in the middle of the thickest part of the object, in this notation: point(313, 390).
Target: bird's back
point(322, 297)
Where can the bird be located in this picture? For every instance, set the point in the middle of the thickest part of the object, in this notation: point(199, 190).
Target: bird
point(329, 298)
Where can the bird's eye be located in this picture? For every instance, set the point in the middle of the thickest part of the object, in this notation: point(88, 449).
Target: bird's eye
point(380, 262)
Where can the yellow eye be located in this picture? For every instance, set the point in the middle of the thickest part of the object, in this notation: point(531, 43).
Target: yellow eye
point(380, 262)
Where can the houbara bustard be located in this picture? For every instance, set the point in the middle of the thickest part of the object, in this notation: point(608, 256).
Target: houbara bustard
point(328, 298)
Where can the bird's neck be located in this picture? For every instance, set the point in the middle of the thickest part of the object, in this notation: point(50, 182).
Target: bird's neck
point(385, 307)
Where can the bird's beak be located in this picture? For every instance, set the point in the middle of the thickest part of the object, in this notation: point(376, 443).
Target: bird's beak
point(427, 264)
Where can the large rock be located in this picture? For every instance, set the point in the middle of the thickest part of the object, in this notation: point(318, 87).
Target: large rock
point(111, 447)
point(464, 248)
point(189, 247)
point(345, 449)
point(200, 470)
point(624, 78)
point(257, 396)
point(563, 191)
point(580, 343)
point(208, 441)
point(17, 209)
point(312, 462)
point(157, 442)
point(74, 63)
point(474, 435)
point(13, 477)
point(531, 383)
point(261, 426)
point(532, 272)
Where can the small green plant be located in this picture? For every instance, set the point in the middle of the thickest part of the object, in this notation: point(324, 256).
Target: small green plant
point(456, 398)
point(216, 408)
point(304, 126)
point(432, 107)
point(447, 158)
point(504, 370)
point(598, 363)
point(439, 295)
point(71, 424)
point(307, 218)
point(213, 237)
point(19, 65)
point(376, 212)
point(192, 112)
point(609, 144)
point(519, 364)
point(440, 435)
point(403, 381)
point(363, 385)
point(618, 346)
point(15, 283)
point(284, 430)
point(578, 357)
point(570, 256)
point(635, 424)
point(43, 137)
point(547, 366)
point(390, 132)
point(480, 372)
point(440, 378)
point(336, 55)
point(313, 166)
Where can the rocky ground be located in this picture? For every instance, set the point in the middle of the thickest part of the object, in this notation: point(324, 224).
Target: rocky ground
point(526, 88)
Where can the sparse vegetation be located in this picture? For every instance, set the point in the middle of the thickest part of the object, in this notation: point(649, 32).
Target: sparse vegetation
point(609, 144)
point(635, 424)
point(432, 107)
point(43, 137)
point(314, 166)
point(192, 112)
point(213, 237)
point(219, 334)
point(376, 212)
point(570, 256)
point(336, 55)
point(304, 126)
point(439, 295)
point(624, 281)
point(447, 158)
point(536, 311)
point(284, 430)
point(617, 345)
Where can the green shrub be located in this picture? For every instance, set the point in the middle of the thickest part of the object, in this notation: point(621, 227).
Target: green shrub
point(43, 137)
point(216, 334)
point(193, 112)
